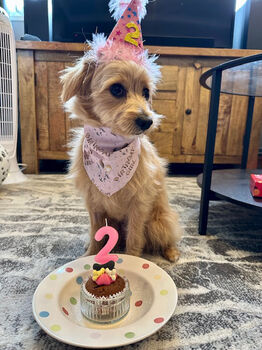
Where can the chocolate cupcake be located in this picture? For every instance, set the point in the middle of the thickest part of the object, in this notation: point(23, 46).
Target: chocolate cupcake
point(105, 296)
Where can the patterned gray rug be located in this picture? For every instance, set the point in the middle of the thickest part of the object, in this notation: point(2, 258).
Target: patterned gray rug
point(43, 224)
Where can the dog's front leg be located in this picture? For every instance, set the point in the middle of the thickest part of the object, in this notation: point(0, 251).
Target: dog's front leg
point(135, 240)
point(97, 220)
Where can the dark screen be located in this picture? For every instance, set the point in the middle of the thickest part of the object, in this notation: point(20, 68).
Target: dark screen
point(78, 19)
point(174, 22)
point(36, 18)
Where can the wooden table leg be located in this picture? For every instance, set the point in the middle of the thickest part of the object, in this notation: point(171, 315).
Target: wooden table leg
point(27, 111)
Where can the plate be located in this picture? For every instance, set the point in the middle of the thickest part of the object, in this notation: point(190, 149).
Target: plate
point(56, 304)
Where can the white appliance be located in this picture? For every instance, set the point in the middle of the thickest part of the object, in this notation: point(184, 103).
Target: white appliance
point(8, 97)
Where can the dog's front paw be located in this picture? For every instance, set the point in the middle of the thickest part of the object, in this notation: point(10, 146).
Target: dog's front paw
point(172, 254)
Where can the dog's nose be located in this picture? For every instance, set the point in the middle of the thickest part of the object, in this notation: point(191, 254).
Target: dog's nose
point(144, 122)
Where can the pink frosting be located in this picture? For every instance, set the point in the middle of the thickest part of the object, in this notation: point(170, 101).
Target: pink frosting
point(104, 279)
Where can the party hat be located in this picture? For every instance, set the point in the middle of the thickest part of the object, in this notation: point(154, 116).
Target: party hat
point(128, 29)
point(125, 41)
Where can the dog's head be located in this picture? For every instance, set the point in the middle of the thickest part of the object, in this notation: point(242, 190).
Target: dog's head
point(117, 94)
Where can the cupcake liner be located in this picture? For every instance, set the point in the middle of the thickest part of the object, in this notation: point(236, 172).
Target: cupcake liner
point(105, 309)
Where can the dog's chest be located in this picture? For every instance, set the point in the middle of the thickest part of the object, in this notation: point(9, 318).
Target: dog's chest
point(142, 187)
point(116, 206)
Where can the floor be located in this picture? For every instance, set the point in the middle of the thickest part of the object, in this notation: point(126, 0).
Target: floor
point(43, 225)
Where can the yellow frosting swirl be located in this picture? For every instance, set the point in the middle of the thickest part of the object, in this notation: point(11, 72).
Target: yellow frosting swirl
point(110, 273)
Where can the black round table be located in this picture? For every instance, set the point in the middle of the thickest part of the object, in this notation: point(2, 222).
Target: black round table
point(233, 185)
point(243, 77)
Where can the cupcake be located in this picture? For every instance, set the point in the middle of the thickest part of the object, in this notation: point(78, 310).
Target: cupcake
point(105, 296)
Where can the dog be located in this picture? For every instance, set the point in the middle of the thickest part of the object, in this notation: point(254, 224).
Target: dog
point(118, 95)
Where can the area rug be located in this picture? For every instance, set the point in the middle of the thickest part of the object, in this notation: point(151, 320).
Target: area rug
point(43, 225)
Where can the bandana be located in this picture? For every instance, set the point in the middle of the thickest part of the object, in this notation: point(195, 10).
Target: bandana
point(110, 160)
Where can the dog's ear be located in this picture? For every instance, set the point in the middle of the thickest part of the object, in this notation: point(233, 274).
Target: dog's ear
point(76, 80)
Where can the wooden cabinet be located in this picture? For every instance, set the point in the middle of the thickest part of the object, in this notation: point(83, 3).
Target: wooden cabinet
point(181, 136)
point(185, 104)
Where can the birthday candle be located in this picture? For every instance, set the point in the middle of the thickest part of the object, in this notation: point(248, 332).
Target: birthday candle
point(103, 255)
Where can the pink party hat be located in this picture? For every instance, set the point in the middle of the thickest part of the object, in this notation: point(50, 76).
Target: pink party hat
point(125, 41)
point(128, 29)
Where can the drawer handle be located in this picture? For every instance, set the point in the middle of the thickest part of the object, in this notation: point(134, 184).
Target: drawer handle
point(188, 111)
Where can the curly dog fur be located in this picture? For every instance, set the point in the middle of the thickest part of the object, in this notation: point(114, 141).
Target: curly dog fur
point(140, 210)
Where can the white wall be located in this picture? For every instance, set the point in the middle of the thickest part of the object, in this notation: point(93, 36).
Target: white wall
point(15, 10)
point(18, 26)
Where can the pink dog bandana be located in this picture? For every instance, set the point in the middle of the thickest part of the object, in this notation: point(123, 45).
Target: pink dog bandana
point(110, 160)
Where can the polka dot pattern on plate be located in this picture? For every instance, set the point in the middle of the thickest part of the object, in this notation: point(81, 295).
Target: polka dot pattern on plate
point(69, 269)
point(55, 327)
point(49, 296)
point(157, 277)
point(65, 311)
point(44, 314)
point(159, 320)
point(138, 303)
point(130, 335)
point(79, 280)
point(121, 272)
point(163, 292)
point(68, 302)
point(73, 301)
point(53, 277)
point(120, 260)
point(61, 270)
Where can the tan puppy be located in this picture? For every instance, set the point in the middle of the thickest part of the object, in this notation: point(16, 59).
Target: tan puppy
point(118, 95)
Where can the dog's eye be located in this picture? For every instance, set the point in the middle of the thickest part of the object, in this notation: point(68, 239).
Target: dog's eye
point(118, 90)
point(146, 93)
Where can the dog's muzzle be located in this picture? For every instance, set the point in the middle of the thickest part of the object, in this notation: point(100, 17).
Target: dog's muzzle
point(144, 122)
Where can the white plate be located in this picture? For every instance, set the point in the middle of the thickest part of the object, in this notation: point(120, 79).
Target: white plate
point(57, 311)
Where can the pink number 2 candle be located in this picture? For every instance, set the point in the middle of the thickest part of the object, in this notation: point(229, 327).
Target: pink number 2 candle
point(103, 255)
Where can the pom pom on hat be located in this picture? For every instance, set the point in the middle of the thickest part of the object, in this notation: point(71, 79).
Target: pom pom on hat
point(117, 8)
